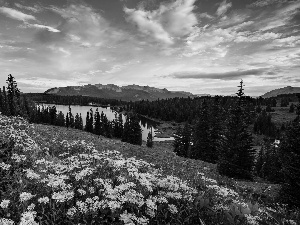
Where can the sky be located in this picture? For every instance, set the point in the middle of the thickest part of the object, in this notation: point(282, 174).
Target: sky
point(199, 46)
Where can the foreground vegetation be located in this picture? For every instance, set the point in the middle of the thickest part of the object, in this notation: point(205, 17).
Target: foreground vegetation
point(65, 176)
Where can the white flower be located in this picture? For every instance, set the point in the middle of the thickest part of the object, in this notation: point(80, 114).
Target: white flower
point(81, 191)
point(71, 212)
point(4, 166)
point(92, 190)
point(27, 218)
point(31, 207)
point(172, 208)
point(43, 200)
point(31, 174)
point(25, 196)
point(4, 221)
point(4, 204)
point(63, 196)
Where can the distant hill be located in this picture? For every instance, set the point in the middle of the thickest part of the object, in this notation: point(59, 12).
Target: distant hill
point(280, 91)
point(125, 93)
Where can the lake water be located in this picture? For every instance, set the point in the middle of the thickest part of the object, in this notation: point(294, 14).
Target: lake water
point(145, 124)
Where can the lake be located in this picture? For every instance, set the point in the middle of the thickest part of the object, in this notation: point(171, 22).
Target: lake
point(145, 124)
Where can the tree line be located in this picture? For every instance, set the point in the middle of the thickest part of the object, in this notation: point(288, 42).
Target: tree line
point(13, 104)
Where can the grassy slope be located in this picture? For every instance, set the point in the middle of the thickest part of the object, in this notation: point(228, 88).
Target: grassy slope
point(162, 156)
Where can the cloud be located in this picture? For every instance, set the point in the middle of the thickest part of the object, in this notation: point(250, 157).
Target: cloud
point(170, 20)
point(219, 75)
point(35, 8)
point(262, 3)
point(223, 8)
point(38, 26)
point(15, 14)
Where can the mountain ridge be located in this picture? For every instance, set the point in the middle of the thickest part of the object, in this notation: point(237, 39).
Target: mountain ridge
point(126, 93)
point(280, 91)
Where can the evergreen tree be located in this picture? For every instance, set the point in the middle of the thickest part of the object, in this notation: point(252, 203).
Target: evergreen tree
point(292, 108)
point(71, 118)
point(126, 130)
point(97, 122)
point(201, 136)
point(60, 119)
point(182, 142)
point(80, 122)
point(268, 165)
point(237, 156)
point(77, 121)
point(5, 103)
point(67, 120)
point(13, 96)
point(150, 139)
point(290, 160)
point(132, 132)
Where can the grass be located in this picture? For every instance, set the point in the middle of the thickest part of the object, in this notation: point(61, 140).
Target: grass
point(214, 199)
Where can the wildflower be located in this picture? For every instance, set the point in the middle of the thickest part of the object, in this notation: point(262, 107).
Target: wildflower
point(127, 218)
point(82, 206)
point(92, 190)
point(4, 221)
point(27, 218)
point(172, 208)
point(4, 204)
point(31, 207)
point(25, 196)
point(31, 174)
point(4, 166)
point(63, 196)
point(81, 191)
point(71, 212)
point(43, 200)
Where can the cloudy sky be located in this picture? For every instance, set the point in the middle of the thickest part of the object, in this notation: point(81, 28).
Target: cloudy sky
point(200, 46)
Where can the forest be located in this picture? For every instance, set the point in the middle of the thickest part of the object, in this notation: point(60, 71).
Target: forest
point(216, 130)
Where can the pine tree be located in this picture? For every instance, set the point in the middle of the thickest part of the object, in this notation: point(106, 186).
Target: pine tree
point(97, 123)
point(237, 156)
point(182, 142)
point(60, 119)
point(67, 120)
point(71, 118)
point(80, 122)
point(290, 160)
point(13, 96)
point(201, 136)
point(5, 103)
point(150, 139)
point(77, 121)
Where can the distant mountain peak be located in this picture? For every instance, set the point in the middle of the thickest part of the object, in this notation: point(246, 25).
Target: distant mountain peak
point(280, 91)
point(126, 93)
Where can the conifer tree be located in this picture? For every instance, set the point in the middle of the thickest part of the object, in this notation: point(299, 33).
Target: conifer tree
point(201, 136)
point(13, 96)
point(150, 139)
point(60, 119)
point(182, 142)
point(80, 122)
point(77, 121)
point(67, 120)
point(97, 123)
point(237, 156)
point(71, 118)
point(290, 161)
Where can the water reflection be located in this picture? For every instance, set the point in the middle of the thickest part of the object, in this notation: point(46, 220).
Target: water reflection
point(146, 124)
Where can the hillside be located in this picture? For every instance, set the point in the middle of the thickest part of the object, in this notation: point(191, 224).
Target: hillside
point(280, 91)
point(82, 172)
point(125, 93)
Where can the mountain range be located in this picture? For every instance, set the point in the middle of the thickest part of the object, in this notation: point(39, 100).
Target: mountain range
point(280, 91)
point(125, 93)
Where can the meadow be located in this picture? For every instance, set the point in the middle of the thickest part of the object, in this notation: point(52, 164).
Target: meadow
point(56, 175)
